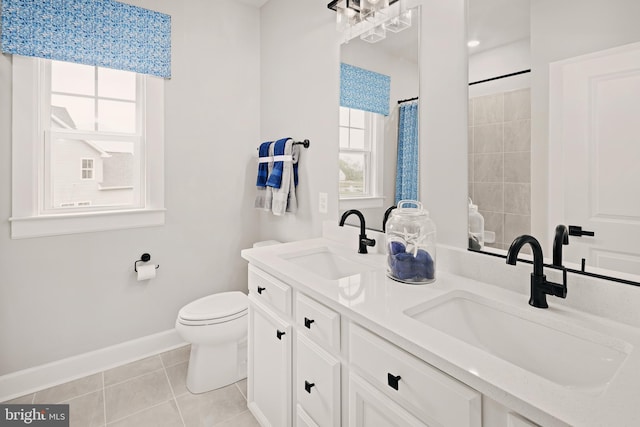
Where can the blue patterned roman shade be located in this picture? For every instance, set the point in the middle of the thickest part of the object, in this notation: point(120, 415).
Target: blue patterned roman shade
point(105, 33)
point(364, 90)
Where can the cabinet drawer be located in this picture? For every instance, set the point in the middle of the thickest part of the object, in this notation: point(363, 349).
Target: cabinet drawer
point(369, 407)
point(317, 387)
point(269, 290)
point(319, 322)
point(430, 394)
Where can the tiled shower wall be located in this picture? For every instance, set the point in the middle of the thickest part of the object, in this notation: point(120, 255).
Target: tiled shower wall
point(500, 163)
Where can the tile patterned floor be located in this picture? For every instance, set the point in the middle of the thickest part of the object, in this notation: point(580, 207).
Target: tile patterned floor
point(150, 392)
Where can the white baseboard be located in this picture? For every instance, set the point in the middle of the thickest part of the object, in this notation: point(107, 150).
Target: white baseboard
point(30, 380)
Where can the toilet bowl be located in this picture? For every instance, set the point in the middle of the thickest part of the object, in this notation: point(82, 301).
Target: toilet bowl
point(216, 327)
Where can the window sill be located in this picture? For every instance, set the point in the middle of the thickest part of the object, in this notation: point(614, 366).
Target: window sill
point(125, 187)
point(360, 202)
point(72, 223)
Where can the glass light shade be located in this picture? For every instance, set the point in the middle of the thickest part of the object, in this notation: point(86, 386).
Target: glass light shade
point(374, 11)
point(375, 34)
point(347, 14)
point(373, 5)
point(400, 22)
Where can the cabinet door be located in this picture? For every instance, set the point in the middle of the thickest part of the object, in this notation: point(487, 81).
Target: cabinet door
point(269, 370)
point(317, 385)
point(370, 408)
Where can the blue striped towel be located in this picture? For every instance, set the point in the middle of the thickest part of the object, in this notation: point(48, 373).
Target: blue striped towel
point(263, 168)
point(275, 178)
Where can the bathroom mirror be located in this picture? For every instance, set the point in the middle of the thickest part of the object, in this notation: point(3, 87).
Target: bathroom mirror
point(368, 161)
point(553, 136)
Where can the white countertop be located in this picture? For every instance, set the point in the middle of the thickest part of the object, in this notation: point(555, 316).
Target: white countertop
point(378, 303)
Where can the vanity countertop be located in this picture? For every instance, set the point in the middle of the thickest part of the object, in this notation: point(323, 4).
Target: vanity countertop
point(379, 303)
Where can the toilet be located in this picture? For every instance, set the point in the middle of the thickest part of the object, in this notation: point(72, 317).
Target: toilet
point(216, 327)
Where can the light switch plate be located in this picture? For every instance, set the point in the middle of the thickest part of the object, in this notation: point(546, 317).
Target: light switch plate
point(322, 203)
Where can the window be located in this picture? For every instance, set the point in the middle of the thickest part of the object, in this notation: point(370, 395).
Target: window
point(359, 135)
point(108, 122)
point(86, 170)
point(90, 110)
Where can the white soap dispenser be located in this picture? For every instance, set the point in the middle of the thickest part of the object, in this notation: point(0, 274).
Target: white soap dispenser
point(476, 227)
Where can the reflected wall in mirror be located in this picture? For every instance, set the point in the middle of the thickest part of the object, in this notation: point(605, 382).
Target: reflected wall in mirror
point(368, 140)
point(558, 145)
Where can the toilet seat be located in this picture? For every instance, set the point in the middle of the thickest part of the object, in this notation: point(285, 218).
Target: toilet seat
point(216, 308)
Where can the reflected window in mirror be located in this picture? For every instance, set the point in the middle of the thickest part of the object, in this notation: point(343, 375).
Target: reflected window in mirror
point(359, 145)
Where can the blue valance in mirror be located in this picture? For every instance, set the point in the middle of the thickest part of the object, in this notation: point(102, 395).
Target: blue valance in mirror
point(364, 90)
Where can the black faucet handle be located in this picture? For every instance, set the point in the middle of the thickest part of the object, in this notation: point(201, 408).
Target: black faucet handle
point(560, 290)
point(369, 242)
point(364, 242)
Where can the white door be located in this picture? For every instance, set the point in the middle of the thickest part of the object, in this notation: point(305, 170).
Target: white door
point(594, 152)
point(269, 367)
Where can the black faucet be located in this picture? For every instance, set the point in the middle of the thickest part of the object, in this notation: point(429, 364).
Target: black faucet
point(561, 238)
point(363, 241)
point(540, 287)
point(386, 217)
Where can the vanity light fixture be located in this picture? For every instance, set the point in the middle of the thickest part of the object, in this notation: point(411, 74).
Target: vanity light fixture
point(370, 19)
point(473, 43)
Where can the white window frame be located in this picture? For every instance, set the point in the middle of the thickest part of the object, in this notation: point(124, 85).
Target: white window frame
point(374, 132)
point(91, 169)
point(28, 218)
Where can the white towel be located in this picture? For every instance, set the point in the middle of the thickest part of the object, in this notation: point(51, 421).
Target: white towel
point(284, 198)
point(292, 202)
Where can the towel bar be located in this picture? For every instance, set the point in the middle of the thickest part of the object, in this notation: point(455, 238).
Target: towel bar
point(306, 143)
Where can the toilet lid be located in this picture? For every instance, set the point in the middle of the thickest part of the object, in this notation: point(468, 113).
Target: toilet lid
point(215, 306)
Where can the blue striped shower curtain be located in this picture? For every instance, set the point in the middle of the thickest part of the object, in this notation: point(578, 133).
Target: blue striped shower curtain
point(407, 169)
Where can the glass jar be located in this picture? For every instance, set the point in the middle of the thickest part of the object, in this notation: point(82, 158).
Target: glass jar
point(411, 244)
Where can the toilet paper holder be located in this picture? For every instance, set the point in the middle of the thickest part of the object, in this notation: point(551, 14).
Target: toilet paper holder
point(143, 258)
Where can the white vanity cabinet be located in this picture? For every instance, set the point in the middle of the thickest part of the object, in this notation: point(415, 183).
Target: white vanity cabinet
point(311, 366)
point(269, 350)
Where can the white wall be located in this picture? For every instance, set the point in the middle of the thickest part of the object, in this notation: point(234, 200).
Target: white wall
point(500, 61)
point(299, 97)
point(66, 295)
point(561, 30)
point(443, 118)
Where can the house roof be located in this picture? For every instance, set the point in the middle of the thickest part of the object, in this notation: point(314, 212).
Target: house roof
point(60, 116)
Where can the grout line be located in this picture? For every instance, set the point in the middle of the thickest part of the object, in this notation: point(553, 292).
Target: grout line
point(104, 399)
point(140, 411)
point(164, 368)
point(236, 383)
point(135, 377)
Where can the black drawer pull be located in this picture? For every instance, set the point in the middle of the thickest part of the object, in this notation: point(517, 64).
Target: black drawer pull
point(279, 334)
point(260, 289)
point(308, 322)
point(308, 386)
point(393, 381)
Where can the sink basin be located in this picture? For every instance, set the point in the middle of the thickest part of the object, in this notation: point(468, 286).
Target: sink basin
point(327, 264)
point(568, 355)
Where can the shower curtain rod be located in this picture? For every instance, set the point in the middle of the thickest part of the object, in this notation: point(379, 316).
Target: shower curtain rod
point(408, 100)
point(500, 77)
